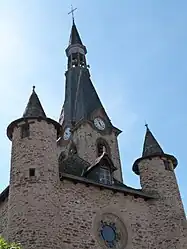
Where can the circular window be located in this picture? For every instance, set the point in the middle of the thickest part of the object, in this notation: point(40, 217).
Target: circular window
point(111, 232)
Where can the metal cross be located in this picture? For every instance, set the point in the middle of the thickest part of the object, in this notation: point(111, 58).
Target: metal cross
point(72, 12)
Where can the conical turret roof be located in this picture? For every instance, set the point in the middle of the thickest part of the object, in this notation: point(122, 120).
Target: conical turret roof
point(151, 146)
point(34, 107)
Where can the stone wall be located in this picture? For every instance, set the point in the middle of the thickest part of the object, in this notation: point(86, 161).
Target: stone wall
point(85, 138)
point(3, 217)
point(82, 208)
point(76, 214)
point(168, 217)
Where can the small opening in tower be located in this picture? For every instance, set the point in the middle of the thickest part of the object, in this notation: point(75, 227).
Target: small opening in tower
point(31, 172)
point(168, 165)
point(81, 60)
point(25, 132)
point(75, 59)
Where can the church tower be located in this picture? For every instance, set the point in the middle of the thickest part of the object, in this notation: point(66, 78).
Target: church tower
point(86, 127)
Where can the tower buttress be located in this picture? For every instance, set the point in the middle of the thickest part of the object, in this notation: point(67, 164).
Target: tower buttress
point(157, 176)
point(32, 204)
point(83, 118)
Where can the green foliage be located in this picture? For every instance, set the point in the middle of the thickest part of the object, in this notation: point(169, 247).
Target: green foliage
point(5, 245)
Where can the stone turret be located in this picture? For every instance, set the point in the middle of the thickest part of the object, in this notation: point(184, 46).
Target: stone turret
point(154, 166)
point(157, 176)
point(33, 202)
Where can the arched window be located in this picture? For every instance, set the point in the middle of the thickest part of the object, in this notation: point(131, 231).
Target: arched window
point(102, 146)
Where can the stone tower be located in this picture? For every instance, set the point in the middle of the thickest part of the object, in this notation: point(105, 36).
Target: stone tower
point(157, 177)
point(86, 126)
point(33, 178)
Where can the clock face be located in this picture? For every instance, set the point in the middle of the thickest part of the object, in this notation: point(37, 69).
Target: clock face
point(67, 133)
point(99, 123)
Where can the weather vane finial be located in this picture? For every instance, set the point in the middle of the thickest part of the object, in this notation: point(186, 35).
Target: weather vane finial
point(72, 12)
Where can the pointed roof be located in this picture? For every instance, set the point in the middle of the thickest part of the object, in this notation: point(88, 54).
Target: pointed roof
point(33, 110)
point(82, 99)
point(151, 146)
point(74, 36)
point(34, 107)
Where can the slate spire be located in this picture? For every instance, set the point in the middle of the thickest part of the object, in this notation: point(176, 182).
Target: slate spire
point(74, 36)
point(81, 98)
point(81, 102)
point(151, 146)
point(34, 107)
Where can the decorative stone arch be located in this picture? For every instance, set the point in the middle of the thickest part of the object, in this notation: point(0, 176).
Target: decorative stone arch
point(102, 146)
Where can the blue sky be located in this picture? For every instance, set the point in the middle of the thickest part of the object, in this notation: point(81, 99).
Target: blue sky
point(137, 53)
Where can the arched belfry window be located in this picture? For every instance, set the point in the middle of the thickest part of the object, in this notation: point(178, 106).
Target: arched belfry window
point(102, 146)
